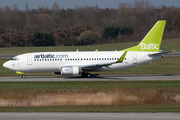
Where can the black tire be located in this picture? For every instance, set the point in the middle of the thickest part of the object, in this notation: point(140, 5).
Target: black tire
point(88, 75)
point(23, 76)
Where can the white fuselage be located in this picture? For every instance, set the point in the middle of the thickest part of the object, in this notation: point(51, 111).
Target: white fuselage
point(54, 61)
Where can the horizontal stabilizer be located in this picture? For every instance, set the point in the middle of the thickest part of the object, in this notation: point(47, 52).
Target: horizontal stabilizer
point(160, 53)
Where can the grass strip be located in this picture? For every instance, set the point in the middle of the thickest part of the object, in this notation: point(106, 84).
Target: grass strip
point(127, 96)
point(87, 85)
point(174, 107)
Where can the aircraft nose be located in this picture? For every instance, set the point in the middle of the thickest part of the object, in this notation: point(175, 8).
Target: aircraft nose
point(6, 65)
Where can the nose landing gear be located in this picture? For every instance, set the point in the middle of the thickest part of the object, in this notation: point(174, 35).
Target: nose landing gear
point(23, 76)
point(21, 73)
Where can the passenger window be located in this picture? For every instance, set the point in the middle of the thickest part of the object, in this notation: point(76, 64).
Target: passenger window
point(94, 58)
point(42, 59)
point(37, 59)
point(34, 59)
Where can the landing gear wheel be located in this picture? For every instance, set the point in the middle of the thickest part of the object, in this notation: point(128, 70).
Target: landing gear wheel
point(88, 75)
point(23, 76)
point(83, 74)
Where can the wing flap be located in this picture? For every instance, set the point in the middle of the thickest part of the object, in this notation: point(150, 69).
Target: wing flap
point(97, 66)
point(94, 66)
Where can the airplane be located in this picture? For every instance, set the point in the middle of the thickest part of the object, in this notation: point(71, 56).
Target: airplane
point(75, 63)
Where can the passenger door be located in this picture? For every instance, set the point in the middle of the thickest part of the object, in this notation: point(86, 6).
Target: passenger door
point(29, 60)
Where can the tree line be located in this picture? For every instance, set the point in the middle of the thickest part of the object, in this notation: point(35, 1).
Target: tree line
point(84, 25)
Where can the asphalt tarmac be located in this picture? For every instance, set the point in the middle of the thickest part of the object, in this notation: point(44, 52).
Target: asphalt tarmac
point(89, 116)
point(94, 78)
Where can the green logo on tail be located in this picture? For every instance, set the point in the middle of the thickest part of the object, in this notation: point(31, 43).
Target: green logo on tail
point(152, 41)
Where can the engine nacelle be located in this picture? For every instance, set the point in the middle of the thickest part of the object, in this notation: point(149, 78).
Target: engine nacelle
point(69, 70)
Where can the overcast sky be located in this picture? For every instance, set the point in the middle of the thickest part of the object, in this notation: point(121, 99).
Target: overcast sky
point(34, 4)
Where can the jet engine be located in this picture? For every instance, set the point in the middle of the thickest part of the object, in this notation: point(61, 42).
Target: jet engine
point(69, 70)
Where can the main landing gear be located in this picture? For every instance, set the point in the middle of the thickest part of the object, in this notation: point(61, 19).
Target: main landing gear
point(84, 74)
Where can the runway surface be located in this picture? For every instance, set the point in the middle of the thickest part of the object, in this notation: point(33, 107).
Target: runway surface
point(89, 116)
point(169, 54)
point(94, 78)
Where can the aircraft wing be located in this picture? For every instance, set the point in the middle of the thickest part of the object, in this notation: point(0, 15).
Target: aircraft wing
point(100, 65)
point(161, 53)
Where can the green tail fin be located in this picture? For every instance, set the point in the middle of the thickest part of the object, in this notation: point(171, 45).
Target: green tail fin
point(152, 41)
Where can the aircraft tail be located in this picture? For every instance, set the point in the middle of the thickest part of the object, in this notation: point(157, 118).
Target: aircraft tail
point(152, 41)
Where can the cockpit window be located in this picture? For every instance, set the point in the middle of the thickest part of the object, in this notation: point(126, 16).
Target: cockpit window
point(15, 58)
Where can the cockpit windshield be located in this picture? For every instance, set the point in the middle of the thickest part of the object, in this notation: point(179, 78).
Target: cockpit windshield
point(15, 58)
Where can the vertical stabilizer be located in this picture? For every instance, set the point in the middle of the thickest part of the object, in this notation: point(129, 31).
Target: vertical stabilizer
point(152, 41)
